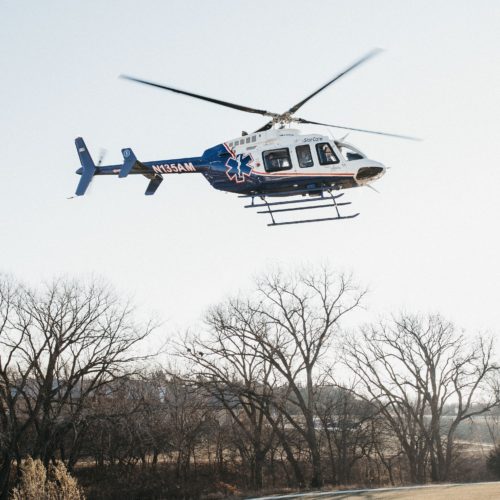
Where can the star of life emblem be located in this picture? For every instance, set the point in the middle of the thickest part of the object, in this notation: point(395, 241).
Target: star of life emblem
point(238, 167)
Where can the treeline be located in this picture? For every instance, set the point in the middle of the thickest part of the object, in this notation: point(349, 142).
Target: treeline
point(271, 394)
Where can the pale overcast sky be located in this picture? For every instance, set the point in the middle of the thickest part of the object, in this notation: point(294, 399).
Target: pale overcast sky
point(430, 240)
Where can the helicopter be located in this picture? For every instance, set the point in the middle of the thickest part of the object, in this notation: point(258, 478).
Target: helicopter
point(301, 171)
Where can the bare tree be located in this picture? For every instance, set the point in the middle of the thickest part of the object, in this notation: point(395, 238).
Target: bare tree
point(414, 368)
point(231, 371)
point(288, 327)
point(60, 345)
point(123, 422)
point(187, 416)
point(11, 429)
point(348, 424)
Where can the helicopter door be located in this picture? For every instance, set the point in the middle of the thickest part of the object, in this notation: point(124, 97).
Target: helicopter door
point(326, 155)
point(304, 156)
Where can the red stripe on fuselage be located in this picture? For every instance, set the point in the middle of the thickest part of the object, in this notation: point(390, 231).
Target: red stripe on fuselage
point(229, 150)
point(300, 174)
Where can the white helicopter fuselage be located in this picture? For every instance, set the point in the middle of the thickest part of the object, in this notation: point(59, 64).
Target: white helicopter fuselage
point(288, 154)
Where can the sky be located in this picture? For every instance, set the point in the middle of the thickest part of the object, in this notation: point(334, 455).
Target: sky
point(428, 242)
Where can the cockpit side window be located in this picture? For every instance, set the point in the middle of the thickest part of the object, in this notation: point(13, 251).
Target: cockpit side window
point(277, 159)
point(304, 156)
point(326, 155)
point(349, 153)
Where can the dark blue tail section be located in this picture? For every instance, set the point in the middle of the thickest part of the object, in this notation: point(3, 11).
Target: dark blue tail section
point(129, 162)
point(88, 167)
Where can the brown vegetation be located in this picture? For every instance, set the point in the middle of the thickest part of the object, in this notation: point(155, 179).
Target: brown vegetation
point(38, 483)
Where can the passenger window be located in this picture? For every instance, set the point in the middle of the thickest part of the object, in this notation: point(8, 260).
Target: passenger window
point(304, 156)
point(326, 155)
point(277, 159)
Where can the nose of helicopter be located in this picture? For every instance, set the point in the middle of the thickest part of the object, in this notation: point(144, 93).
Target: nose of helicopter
point(371, 173)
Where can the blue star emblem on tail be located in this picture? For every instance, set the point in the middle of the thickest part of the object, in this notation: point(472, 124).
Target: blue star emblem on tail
point(238, 167)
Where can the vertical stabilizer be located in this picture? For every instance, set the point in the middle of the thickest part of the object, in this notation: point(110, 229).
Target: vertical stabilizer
point(88, 166)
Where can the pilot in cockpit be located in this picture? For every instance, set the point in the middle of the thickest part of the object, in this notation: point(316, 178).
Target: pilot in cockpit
point(328, 153)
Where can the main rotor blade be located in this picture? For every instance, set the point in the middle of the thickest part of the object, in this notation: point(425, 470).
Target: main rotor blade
point(202, 97)
point(370, 54)
point(301, 120)
point(267, 126)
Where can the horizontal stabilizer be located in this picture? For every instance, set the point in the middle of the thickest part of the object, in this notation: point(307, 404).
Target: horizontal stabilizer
point(153, 185)
point(88, 166)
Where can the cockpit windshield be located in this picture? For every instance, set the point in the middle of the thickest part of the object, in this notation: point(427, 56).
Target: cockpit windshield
point(350, 153)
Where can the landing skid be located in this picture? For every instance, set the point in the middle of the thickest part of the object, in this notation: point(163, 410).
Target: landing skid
point(271, 210)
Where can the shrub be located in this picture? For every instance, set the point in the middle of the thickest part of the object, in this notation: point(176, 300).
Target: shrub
point(38, 483)
point(493, 461)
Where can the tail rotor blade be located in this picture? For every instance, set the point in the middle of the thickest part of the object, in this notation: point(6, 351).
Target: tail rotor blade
point(102, 155)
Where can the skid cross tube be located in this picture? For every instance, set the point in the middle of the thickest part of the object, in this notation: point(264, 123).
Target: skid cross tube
point(269, 209)
point(336, 205)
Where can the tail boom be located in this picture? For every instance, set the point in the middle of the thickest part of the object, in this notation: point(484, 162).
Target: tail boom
point(153, 170)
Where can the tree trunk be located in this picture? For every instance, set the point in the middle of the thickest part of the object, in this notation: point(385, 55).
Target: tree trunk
point(297, 471)
point(5, 476)
point(259, 464)
point(317, 476)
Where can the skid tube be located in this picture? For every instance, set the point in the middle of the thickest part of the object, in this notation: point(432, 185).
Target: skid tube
point(271, 211)
point(305, 221)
